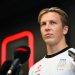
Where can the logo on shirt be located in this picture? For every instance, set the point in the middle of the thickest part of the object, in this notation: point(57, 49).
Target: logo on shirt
point(38, 69)
point(61, 64)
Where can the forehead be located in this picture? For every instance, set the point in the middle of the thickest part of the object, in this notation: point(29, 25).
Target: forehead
point(50, 16)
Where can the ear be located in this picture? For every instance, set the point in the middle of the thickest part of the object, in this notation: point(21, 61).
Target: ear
point(65, 29)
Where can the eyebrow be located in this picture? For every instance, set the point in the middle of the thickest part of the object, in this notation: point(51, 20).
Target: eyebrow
point(47, 20)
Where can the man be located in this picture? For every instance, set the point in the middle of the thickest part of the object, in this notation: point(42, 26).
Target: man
point(54, 27)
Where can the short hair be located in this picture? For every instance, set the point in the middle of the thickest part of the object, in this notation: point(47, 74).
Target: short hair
point(63, 14)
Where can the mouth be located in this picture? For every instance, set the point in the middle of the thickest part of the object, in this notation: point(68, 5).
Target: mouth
point(48, 35)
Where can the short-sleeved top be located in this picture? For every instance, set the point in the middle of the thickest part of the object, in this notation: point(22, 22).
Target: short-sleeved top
point(59, 63)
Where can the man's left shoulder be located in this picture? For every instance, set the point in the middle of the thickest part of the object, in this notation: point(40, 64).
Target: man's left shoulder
point(71, 53)
point(72, 49)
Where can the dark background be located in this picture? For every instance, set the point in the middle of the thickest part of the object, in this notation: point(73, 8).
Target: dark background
point(20, 15)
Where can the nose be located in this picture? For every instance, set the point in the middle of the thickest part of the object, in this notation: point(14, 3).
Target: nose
point(47, 27)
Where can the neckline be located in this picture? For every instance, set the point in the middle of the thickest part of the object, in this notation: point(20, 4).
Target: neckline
point(63, 50)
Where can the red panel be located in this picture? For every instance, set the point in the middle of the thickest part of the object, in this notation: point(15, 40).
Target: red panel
point(14, 38)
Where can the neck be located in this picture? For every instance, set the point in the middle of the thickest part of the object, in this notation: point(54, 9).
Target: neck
point(52, 49)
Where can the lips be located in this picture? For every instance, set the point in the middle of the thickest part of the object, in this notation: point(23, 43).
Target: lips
point(48, 35)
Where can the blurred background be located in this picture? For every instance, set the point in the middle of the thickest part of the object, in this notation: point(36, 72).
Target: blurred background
point(20, 15)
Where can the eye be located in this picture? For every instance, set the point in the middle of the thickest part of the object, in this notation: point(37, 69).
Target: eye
point(52, 22)
point(43, 23)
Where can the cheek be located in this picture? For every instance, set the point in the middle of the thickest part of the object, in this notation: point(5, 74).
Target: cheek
point(59, 32)
point(42, 30)
point(57, 29)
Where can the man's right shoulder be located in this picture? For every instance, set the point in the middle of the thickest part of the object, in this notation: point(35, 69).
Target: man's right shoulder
point(37, 63)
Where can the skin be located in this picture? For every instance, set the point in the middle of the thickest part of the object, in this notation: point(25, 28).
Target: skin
point(53, 32)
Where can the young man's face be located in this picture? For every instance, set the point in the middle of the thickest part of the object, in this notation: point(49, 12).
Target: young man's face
point(51, 28)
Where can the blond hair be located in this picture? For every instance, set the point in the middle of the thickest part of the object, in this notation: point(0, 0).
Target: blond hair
point(62, 13)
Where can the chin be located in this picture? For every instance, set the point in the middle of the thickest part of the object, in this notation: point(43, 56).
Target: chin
point(50, 41)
